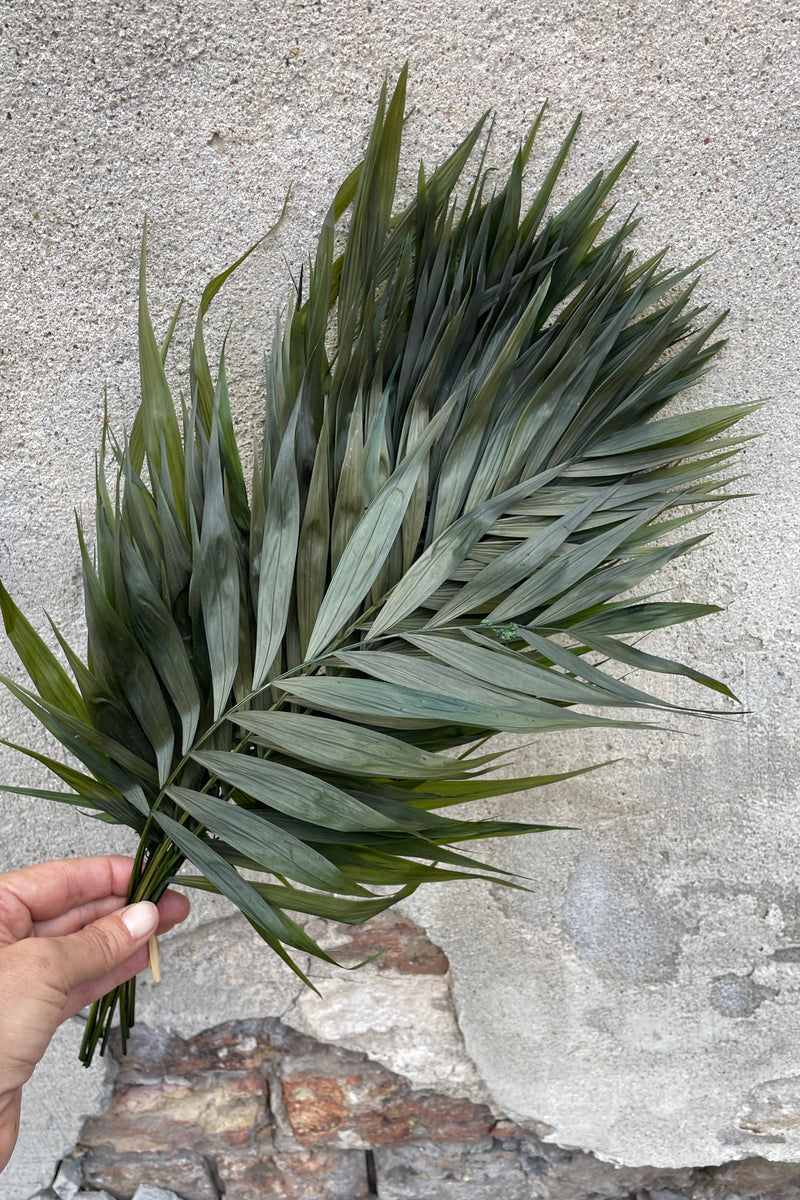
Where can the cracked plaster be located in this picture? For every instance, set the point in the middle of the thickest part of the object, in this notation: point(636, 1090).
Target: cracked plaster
point(201, 114)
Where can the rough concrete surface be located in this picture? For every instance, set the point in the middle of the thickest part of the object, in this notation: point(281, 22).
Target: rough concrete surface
point(642, 1001)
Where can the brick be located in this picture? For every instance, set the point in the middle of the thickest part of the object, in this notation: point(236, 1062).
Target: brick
point(759, 1176)
point(121, 1174)
point(321, 1174)
point(207, 1112)
point(405, 946)
point(232, 1046)
point(331, 1098)
point(206, 1093)
point(426, 1172)
point(560, 1174)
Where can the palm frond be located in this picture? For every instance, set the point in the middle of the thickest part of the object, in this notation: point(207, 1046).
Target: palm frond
point(464, 470)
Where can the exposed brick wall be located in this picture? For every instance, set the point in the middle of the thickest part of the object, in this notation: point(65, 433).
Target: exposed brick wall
point(275, 1111)
point(254, 1110)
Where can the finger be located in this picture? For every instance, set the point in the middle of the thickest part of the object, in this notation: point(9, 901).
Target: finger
point(41, 975)
point(87, 993)
point(45, 891)
point(98, 949)
point(33, 1002)
point(172, 907)
point(74, 920)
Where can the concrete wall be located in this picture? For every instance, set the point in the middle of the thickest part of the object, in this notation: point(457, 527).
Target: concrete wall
point(642, 1001)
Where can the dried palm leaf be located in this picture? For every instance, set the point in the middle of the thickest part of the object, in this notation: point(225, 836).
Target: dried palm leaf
point(464, 467)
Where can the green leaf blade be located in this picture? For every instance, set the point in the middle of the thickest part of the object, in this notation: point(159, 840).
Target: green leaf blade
point(274, 849)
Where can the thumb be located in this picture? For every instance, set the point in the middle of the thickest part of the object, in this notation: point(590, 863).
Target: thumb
point(45, 980)
point(98, 949)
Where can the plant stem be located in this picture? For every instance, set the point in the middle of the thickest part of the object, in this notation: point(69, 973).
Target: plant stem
point(154, 868)
point(150, 885)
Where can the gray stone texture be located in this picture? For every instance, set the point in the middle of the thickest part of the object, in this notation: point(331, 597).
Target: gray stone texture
point(642, 1001)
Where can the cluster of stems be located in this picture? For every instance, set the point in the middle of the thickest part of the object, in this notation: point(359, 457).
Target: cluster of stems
point(154, 867)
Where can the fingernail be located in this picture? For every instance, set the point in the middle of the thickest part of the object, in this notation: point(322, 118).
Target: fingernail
point(140, 919)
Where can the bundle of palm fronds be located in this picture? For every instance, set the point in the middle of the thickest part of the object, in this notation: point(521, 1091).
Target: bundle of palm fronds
point(462, 469)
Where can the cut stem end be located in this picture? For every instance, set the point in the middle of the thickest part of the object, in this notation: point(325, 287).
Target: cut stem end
point(155, 965)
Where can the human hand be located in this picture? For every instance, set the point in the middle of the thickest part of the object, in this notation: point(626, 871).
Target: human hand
point(66, 938)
